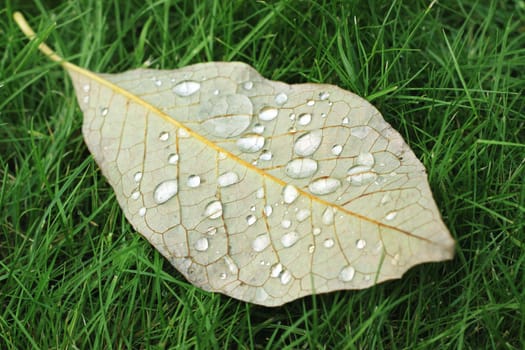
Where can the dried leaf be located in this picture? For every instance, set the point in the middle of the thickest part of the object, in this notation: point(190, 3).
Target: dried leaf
point(257, 189)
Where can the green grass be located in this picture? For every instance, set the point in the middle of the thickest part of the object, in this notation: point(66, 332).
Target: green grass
point(73, 274)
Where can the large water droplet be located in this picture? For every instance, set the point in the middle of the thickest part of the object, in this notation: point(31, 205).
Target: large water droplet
point(360, 244)
point(308, 143)
point(186, 88)
point(301, 168)
point(286, 277)
point(276, 270)
point(360, 175)
point(328, 243)
point(165, 191)
point(304, 119)
point(328, 216)
point(261, 242)
point(227, 115)
point(302, 215)
point(137, 177)
point(251, 143)
point(213, 210)
point(391, 216)
point(281, 98)
point(227, 179)
point(290, 194)
point(194, 181)
point(289, 239)
point(268, 113)
point(366, 159)
point(202, 244)
point(251, 219)
point(347, 273)
point(324, 185)
point(337, 149)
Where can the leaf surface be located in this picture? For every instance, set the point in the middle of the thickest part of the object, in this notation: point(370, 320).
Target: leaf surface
point(257, 189)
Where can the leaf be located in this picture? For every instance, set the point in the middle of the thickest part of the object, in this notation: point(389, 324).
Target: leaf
point(257, 189)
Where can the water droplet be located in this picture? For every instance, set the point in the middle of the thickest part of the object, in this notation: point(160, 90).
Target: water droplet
point(213, 210)
point(260, 193)
point(248, 85)
point(324, 185)
point(310, 103)
point(276, 270)
point(261, 242)
point(289, 239)
point(268, 113)
point(267, 210)
point(165, 191)
point(337, 150)
point(142, 211)
point(345, 121)
point(328, 243)
point(323, 115)
point(202, 244)
point(311, 248)
point(360, 244)
point(227, 179)
point(183, 133)
point(304, 119)
point(216, 92)
point(301, 168)
point(137, 177)
point(360, 175)
point(227, 115)
point(347, 273)
point(104, 111)
point(164, 136)
point(86, 88)
point(290, 194)
point(222, 276)
point(395, 260)
point(302, 215)
point(360, 131)
point(286, 223)
point(324, 95)
point(366, 159)
point(328, 216)
point(266, 155)
point(281, 98)
point(251, 219)
point(186, 88)
point(211, 231)
point(308, 143)
point(193, 181)
point(286, 277)
point(157, 82)
point(391, 216)
point(85, 99)
point(173, 158)
point(251, 143)
point(386, 199)
point(232, 266)
point(316, 231)
point(135, 195)
point(258, 128)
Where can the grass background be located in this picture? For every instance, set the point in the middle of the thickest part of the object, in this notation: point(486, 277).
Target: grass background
point(449, 77)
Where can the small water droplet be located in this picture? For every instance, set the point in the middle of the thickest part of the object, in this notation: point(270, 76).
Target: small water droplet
point(286, 277)
point(301, 168)
point(345, 121)
point(104, 111)
point(268, 113)
point(85, 99)
point(292, 116)
point(286, 223)
point(251, 219)
point(247, 85)
point(135, 195)
point(157, 82)
point(173, 158)
point(289, 239)
point(213, 209)
point(304, 119)
point(360, 244)
point(290, 194)
point(232, 266)
point(276, 270)
point(316, 231)
point(324, 186)
point(227, 179)
point(258, 128)
point(222, 275)
point(165, 191)
point(308, 143)
point(366, 159)
point(324, 95)
point(260, 193)
point(261, 242)
point(183, 133)
point(391, 216)
point(193, 181)
point(202, 244)
point(250, 143)
point(137, 177)
point(292, 130)
point(216, 92)
point(266, 155)
point(337, 149)
point(142, 211)
point(164, 136)
point(347, 273)
point(302, 215)
point(86, 88)
point(310, 103)
point(211, 231)
point(311, 248)
point(328, 216)
point(186, 88)
point(386, 199)
point(267, 210)
point(281, 98)
point(323, 115)
point(360, 131)
point(328, 243)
